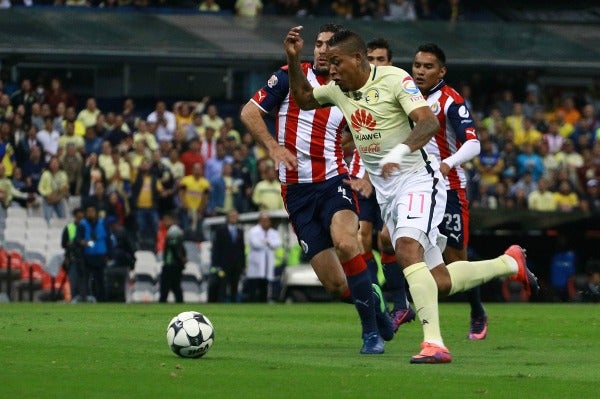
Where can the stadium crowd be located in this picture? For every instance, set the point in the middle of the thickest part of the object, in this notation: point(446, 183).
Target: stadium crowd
point(537, 153)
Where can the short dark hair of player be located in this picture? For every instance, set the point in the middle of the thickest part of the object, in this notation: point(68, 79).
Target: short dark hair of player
point(380, 43)
point(349, 42)
point(435, 50)
point(333, 28)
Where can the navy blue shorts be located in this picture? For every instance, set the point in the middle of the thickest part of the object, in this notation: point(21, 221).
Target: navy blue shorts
point(311, 207)
point(455, 225)
point(369, 210)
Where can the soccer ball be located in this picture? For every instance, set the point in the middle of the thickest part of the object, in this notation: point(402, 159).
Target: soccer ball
point(190, 334)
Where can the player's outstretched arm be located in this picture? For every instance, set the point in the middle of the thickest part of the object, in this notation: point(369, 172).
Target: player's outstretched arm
point(301, 89)
point(252, 117)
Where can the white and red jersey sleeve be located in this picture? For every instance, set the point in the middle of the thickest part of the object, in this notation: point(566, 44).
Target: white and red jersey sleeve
point(314, 136)
point(456, 127)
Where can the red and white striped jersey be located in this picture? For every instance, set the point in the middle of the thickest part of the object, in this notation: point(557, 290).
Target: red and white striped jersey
point(314, 136)
point(357, 167)
point(456, 127)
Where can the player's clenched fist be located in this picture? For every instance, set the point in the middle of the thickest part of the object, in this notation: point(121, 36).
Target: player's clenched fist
point(293, 42)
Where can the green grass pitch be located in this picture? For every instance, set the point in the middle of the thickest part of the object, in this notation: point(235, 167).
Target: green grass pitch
point(293, 351)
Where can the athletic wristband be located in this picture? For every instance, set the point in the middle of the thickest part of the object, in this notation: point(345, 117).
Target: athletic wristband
point(396, 154)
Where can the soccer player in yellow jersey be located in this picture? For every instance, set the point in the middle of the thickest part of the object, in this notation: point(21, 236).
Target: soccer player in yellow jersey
point(390, 123)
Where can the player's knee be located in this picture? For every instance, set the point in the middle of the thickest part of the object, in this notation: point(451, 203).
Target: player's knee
point(442, 279)
point(346, 247)
point(408, 251)
point(337, 288)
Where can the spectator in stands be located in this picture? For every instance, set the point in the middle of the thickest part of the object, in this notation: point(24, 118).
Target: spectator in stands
point(525, 183)
point(164, 122)
point(566, 198)
point(130, 116)
point(97, 247)
point(208, 143)
point(57, 94)
point(144, 134)
point(531, 104)
point(506, 103)
point(248, 8)
point(49, 139)
point(228, 260)
point(92, 144)
point(223, 193)
point(7, 153)
point(551, 166)
point(529, 161)
point(553, 138)
point(267, 192)
point(167, 199)
point(7, 192)
point(509, 154)
point(241, 173)
point(26, 97)
point(515, 120)
point(174, 260)
point(89, 114)
point(541, 199)
point(118, 133)
point(72, 164)
point(586, 128)
point(212, 118)
point(194, 196)
point(192, 156)
point(568, 157)
point(118, 172)
point(54, 189)
point(183, 111)
point(99, 200)
point(6, 109)
point(591, 199)
point(33, 168)
point(528, 134)
point(494, 122)
point(540, 121)
point(69, 137)
point(209, 6)
point(70, 115)
point(214, 165)
point(263, 240)
point(37, 119)
point(569, 110)
point(228, 130)
point(145, 193)
point(174, 164)
point(195, 130)
point(565, 128)
point(401, 10)
point(20, 185)
point(92, 173)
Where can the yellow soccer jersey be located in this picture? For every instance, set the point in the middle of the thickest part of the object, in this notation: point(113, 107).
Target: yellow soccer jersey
point(377, 114)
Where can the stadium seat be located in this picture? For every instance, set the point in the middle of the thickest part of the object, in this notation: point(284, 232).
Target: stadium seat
point(512, 291)
point(146, 263)
point(142, 288)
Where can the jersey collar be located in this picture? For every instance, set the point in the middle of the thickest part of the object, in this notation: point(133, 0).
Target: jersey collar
point(435, 88)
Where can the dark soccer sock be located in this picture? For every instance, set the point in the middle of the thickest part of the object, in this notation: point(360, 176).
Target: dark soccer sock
point(359, 283)
point(474, 297)
point(372, 266)
point(395, 281)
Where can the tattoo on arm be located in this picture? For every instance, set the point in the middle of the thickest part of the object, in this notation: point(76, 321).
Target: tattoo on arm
point(423, 131)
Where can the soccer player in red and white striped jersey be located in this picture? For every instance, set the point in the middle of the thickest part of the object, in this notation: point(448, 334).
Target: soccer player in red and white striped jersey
point(321, 206)
point(454, 144)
